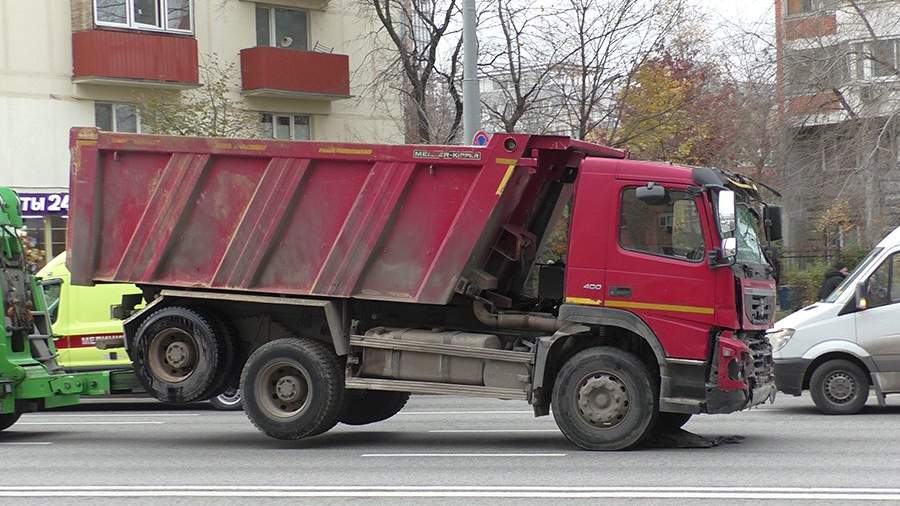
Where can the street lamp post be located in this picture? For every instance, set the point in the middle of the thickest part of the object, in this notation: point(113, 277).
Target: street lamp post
point(471, 93)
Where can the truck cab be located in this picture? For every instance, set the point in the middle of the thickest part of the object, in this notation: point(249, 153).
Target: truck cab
point(681, 265)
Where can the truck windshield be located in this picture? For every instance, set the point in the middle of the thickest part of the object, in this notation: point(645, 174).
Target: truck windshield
point(749, 249)
point(851, 279)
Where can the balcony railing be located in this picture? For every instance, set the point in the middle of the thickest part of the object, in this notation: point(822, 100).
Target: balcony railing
point(819, 25)
point(134, 58)
point(280, 72)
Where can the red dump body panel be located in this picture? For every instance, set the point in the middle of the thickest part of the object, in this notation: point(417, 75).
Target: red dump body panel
point(299, 218)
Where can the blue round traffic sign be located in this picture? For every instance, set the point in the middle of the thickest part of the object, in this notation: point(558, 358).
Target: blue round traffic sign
point(480, 138)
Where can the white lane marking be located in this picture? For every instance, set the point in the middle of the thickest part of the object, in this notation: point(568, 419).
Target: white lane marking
point(465, 412)
point(773, 493)
point(76, 422)
point(463, 455)
point(107, 415)
point(28, 443)
point(475, 431)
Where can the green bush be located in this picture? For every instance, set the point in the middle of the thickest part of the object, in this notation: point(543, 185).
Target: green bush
point(805, 283)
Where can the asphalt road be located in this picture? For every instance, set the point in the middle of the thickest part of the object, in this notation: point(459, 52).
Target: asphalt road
point(439, 450)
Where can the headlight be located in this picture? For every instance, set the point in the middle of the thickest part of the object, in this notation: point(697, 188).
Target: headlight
point(778, 338)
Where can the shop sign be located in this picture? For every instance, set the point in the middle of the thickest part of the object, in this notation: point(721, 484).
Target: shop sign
point(36, 205)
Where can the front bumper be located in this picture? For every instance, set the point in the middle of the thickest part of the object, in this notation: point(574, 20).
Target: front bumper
point(789, 375)
point(720, 401)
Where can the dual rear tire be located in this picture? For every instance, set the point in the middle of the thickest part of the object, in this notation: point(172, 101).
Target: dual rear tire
point(294, 388)
point(182, 354)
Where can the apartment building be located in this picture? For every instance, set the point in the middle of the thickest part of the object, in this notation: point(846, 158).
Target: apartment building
point(301, 68)
point(840, 88)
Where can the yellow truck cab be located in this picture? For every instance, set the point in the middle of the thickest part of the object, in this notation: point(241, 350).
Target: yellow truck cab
point(80, 320)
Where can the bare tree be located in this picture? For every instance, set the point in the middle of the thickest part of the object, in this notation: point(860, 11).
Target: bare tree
point(420, 61)
point(605, 42)
point(516, 64)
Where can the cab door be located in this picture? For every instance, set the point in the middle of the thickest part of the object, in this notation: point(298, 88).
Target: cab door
point(878, 326)
point(658, 267)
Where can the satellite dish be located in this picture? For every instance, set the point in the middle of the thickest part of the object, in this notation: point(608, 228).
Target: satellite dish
point(286, 41)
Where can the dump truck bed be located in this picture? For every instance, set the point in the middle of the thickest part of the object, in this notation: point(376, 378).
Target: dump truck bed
point(389, 222)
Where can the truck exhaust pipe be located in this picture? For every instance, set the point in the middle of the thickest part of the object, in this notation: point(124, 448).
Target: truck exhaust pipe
point(515, 319)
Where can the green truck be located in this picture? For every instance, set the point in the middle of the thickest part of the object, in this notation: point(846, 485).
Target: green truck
point(31, 379)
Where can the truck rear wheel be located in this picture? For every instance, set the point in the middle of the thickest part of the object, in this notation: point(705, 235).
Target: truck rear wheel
point(8, 420)
point(182, 355)
point(293, 388)
point(603, 399)
point(839, 387)
point(363, 407)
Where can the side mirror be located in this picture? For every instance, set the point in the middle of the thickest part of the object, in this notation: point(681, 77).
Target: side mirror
point(862, 295)
point(726, 208)
point(724, 256)
point(652, 194)
point(772, 221)
point(729, 248)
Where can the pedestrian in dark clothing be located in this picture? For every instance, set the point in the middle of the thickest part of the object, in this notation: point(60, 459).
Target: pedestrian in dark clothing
point(833, 278)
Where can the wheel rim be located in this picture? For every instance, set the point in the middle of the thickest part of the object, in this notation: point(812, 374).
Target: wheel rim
point(840, 387)
point(173, 353)
point(230, 396)
point(603, 400)
point(282, 389)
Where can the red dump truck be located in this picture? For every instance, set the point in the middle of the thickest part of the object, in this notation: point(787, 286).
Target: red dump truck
point(332, 280)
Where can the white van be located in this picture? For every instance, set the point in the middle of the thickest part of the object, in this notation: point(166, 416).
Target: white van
point(841, 346)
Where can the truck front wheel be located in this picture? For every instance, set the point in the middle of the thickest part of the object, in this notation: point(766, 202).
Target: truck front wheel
point(8, 420)
point(839, 387)
point(293, 388)
point(603, 399)
point(181, 355)
point(363, 407)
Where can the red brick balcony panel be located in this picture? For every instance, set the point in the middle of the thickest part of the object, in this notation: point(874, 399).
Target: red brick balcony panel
point(809, 27)
point(131, 55)
point(275, 70)
point(813, 104)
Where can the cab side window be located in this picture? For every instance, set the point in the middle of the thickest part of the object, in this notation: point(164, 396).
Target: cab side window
point(51, 296)
point(884, 284)
point(670, 229)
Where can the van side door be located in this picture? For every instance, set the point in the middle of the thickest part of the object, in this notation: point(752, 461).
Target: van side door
point(878, 326)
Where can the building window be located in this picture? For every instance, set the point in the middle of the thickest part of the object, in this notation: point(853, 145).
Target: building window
point(816, 69)
point(116, 117)
point(877, 59)
point(169, 15)
point(809, 6)
point(286, 126)
point(287, 28)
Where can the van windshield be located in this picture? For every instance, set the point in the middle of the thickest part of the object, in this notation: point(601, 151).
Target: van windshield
point(851, 279)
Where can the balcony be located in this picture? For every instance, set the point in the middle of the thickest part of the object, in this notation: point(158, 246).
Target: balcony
point(288, 73)
point(809, 27)
point(132, 58)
